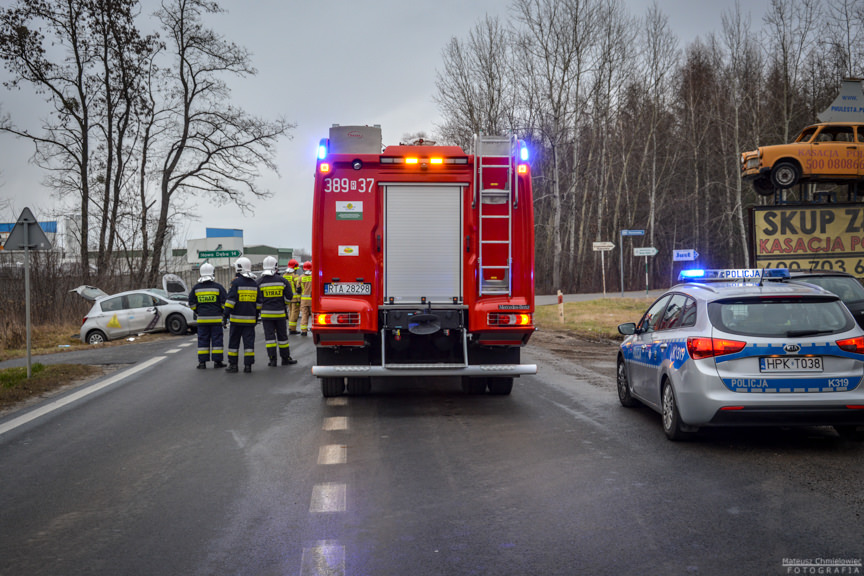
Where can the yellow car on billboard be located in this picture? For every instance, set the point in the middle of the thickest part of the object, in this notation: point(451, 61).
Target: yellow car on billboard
point(821, 152)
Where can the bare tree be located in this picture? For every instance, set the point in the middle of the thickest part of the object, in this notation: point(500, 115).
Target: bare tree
point(208, 147)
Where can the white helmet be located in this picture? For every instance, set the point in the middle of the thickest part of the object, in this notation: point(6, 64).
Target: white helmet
point(207, 272)
point(270, 265)
point(243, 265)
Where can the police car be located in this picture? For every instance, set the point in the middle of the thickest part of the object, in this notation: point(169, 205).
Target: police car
point(729, 348)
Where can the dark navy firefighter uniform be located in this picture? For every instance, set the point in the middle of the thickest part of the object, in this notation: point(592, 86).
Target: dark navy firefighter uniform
point(207, 300)
point(276, 296)
point(241, 309)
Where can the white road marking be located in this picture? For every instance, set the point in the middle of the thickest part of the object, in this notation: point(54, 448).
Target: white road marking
point(337, 401)
point(187, 344)
point(333, 454)
point(66, 400)
point(326, 558)
point(336, 423)
point(328, 497)
point(174, 351)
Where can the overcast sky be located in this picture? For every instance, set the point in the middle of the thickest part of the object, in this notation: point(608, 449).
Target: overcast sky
point(322, 62)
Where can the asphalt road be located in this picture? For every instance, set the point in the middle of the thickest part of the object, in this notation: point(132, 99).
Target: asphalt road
point(173, 470)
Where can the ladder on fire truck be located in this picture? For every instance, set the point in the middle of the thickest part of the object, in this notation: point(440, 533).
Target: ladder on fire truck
point(495, 165)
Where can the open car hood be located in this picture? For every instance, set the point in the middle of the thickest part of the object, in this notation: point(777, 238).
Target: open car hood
point(89, 293)
point(172, 283)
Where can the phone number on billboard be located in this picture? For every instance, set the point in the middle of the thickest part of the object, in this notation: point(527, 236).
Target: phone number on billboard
point(851, 265)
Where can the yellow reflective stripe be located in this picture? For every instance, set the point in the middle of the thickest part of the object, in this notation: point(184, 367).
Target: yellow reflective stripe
point(272, 315)
point(202, 320)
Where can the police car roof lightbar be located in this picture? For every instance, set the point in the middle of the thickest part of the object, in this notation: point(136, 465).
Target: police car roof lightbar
point(733, 274)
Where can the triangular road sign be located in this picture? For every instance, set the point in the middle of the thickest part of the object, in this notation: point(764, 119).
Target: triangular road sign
point(27, 234)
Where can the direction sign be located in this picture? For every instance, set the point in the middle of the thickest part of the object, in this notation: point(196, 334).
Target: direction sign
point(27, 234)
point(219, 254)
point(603, 246)
point(684, 255)
point(632, 232)
point(647, 251)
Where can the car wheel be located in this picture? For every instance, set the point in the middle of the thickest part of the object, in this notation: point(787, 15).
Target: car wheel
point(176, 324)
point(853, 433)
point(500, 386)
point(785, 175)
point(624, 395)
point(359, 386)
point(96, 337)
point(672, 424)
point(763, 186)
point(331, 387)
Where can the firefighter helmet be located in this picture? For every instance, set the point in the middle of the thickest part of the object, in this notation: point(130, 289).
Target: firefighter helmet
point(307, 265)
point(207, 272)
point(270, 264)
point(292, 263)
point(242, 265)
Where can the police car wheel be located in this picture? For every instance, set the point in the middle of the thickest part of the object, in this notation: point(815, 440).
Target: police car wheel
point(176, 324)
point(672, 425)
point(853, 433)
point(624, 395)
point(96, 337)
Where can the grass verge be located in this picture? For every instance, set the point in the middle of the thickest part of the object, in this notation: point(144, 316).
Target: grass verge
point(592, 319)
point(15, 387)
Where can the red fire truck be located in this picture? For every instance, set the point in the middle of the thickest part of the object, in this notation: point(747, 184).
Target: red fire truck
point(423, 261)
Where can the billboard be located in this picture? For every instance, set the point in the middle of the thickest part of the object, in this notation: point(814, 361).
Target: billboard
point(809, 237)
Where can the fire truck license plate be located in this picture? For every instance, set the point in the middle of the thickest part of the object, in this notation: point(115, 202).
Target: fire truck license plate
point(358, 288)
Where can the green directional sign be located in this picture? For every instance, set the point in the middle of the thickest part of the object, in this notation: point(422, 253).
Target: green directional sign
point(219, 254)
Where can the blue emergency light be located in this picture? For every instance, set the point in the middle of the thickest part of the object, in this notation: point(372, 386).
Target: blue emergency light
point(523, 152)
point(746, 274)
point(322, 148)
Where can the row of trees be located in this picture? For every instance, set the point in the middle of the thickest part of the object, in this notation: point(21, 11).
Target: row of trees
point(630, 131)
point(138, 122)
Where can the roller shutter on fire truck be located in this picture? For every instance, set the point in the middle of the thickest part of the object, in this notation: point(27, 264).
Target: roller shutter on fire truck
point(422, 261)
point(423, 232)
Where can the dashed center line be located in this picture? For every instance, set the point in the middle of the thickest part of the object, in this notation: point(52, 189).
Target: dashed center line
point(336, 423)
point(337, 401)
point(328, 497)
point(174, 351)
point(333, 454)
point(184, 345)
point(326, 558)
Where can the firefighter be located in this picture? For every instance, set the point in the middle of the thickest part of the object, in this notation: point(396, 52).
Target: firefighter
point(294, 308)
point(276, 294)
point(207, 300)
point(242, 308)
point(305, 282)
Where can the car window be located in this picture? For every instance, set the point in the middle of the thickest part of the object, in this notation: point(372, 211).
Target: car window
point(836, 134)
point(114, 304)
point(653, 316)
point(140, 300)
point(679, 309)
point(806, 134)
point(780, 316)
point(848, 289)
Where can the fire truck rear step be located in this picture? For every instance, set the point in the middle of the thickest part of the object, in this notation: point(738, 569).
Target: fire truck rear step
point(362, 371)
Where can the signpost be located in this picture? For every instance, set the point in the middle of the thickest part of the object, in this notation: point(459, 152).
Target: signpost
point(621, 253)
point(646, 251)
point(603, 247)
point(27, 235)
point(202, 254)
point(684, 255)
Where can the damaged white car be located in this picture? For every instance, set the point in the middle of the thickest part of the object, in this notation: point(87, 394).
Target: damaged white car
point(134, 312)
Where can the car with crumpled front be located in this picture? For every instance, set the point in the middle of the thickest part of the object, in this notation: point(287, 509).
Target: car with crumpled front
point(132, 312)
point(829, 151)
point(741, 351)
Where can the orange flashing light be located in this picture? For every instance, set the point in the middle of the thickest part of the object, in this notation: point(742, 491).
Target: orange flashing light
point(436, 161)
point(324, 167)
point(411, 160)
point(522, 169)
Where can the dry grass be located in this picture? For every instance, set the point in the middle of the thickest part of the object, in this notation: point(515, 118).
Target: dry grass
point(16, 388)
point(592, 319)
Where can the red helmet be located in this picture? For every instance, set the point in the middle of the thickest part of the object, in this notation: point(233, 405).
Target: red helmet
point(293, 263)
point(307, 265)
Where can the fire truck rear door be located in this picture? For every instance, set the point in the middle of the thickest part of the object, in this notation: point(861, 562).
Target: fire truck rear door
point(423, 243)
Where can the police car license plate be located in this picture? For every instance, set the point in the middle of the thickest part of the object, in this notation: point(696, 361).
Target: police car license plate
point(790, 364)
point(351, 288)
